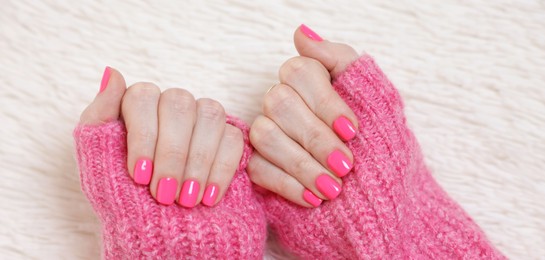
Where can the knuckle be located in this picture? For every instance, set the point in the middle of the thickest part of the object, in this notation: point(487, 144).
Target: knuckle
point(175, 152)
point(178, 100)
point(232, 133)
point(291, 67)
point(279, 100)
point(300, 165)
point(313, 138)
point(261, 130)
point(254, 165)
point(323, 102)
point(146, 135)
point(177, 94)
point(200, 156)
point(141, 94)
point(224, 166)
point(282, 184)
point(349, 50)
point(143, 89)
point(296, 67)
point(210, 109)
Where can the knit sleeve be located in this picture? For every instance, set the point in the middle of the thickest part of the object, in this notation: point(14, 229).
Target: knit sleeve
point(135, 226)
point(101, 153)
point(390, 206)
point(369, 92)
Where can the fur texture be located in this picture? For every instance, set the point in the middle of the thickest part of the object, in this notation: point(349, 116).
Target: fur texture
point(472, 75)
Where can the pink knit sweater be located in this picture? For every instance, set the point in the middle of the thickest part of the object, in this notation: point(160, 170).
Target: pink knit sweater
point(390, 206)
point(135, 226)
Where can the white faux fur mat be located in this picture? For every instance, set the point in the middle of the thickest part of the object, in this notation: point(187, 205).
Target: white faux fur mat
point(472, 74)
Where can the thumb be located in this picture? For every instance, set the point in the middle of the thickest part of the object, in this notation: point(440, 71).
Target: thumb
point(107, 104)
point(334, 56)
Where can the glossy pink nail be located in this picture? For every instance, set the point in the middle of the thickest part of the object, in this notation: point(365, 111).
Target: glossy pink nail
point(310, 33)
point(344, 128)
point(142, 171)
point(166, 190)
point(328, 186)
point(210, 195)
point(189, 193)
point(339, 163)
point(312, 199)
point(105, 79)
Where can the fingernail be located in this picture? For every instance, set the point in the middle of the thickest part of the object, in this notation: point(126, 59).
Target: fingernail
point(142, 171)
point(189, 194)
point(210, 195)
point(310, 33)
point(312, 199)
point(344, 128)
point(105, 79)
point(166, 191)
point(339, 163)
point(327, 186)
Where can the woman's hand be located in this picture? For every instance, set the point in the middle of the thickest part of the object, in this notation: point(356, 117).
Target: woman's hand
point(181, 147)
point(299, 138)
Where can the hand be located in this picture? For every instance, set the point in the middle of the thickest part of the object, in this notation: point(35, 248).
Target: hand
point(181, 147)
point(299, 138)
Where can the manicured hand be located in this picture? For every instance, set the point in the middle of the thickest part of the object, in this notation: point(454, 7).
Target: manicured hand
point(299, 139)
point(181, 147)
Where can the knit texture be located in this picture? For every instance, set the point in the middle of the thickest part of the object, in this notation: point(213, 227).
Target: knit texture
point(390, 206)
point(135, 226)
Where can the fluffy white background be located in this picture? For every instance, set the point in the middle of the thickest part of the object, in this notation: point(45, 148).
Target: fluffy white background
point(472, 74)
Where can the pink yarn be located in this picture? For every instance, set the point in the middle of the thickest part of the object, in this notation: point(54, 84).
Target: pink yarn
point(390, 206)
point(135, 226)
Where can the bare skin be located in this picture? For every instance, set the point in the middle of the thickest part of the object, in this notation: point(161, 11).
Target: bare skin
point(294, 136)
point(188, 140)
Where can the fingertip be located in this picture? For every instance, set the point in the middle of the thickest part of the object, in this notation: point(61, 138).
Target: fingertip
point(112, 84)
point(345, 128)
point(189, 194)
point(334, 56)
point(309, 33)
point(311, 199)
point(107, 104)
point(105, 78)
point(211, 195)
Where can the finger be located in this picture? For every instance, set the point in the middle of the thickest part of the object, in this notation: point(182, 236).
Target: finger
point(286, 108)
point(176, 119)
point(270, 177)
point(107, 103)
point(205, 141)
point(275, 146)
point(225, 164)
point(334, 56)
point(139, 111)
point(311, 81)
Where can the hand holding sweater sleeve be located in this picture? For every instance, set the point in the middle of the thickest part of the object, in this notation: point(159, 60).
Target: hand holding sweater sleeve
point(390, 206)
point(135, 226)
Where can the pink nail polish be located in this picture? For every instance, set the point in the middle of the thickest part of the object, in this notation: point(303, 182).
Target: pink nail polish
point(166, 190)
point(327, 186)
point(210, 195)
point(310, 33)
point(189, 193)
point(105, 79)
point(312, 199)
point(339, 163)
point(142, 171)
point(344, 128)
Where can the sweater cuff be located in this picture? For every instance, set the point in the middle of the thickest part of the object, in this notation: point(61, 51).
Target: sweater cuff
point(248, 149)
point(364, 86)
point(101, 154)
